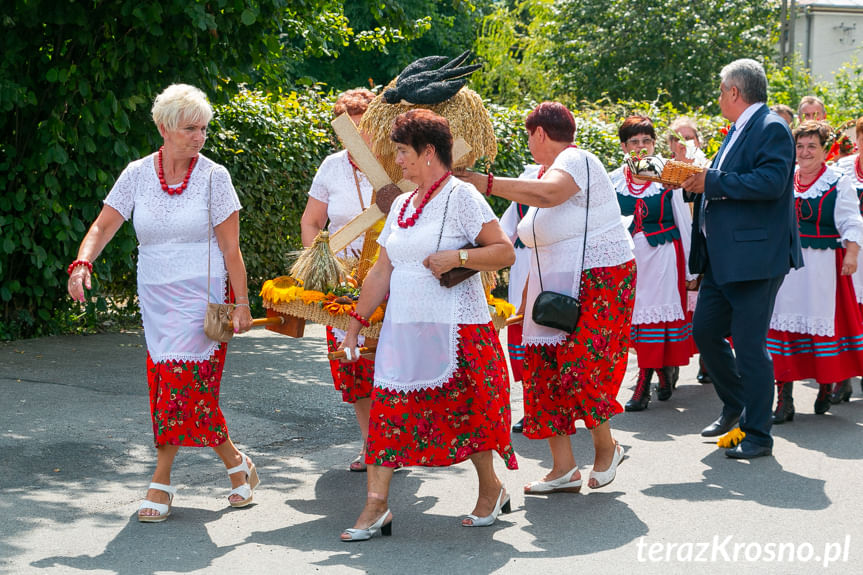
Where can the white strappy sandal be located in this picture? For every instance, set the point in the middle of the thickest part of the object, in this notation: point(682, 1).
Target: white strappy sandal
point(163, 508)
point(560, 485)
point(245, 490)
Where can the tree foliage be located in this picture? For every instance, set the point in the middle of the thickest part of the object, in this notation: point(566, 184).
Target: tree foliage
point(588, 50)
point(76, 83)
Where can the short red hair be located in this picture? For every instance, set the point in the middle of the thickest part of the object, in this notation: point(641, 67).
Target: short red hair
point(555, 119)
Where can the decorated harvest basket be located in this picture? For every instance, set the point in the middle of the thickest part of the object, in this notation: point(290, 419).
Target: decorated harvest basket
point(673, 173)
point(285, 296)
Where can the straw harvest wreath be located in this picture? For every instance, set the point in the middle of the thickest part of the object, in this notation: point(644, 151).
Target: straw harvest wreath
point(323, 288)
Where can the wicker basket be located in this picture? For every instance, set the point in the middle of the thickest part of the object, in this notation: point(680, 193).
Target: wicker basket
point(316, 314)
point(673, 174)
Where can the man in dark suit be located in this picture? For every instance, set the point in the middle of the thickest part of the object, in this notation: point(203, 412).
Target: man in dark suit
point(744, 241)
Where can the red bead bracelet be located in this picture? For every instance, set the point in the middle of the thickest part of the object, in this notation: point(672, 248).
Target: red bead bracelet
point(489, 184)
point(77, 263)
point(363, 321)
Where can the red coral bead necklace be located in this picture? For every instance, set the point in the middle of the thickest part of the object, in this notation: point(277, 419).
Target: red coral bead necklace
point(184, 185)
point(800, 188)
point(635, 189)
point(406, 223)
point(857, 169)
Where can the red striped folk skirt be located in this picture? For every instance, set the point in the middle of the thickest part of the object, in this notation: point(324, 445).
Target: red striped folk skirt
point(667, 343)
point(580, 378)
point(184, 401)
point(516, 351)
point(354, 380)
point(826, 359)
point(443, 426)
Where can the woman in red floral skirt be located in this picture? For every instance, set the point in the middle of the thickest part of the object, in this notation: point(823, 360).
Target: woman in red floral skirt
point(441, 392)
point(185, 211)
point(572, 376)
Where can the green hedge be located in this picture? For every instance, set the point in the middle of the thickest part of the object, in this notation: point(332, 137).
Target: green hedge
point(272, 146)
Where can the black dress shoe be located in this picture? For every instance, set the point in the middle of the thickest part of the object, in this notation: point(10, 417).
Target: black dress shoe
point(721, 426)
point(518, 427)
point(748, 450)
point(703, 376)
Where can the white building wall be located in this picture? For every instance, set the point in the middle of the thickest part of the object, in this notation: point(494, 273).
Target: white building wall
point(827, 40)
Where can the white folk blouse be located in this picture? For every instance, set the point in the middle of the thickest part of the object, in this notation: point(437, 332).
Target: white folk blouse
point(560, 236)
point(172, 253)
point(418, 345)
point(334, 184)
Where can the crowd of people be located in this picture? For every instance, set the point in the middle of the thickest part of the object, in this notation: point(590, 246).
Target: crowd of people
point(767, 235)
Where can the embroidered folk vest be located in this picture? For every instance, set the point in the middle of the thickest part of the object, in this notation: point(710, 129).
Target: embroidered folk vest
point(815, 220)
point(653, 215)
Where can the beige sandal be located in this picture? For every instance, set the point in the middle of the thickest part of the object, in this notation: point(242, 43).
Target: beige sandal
point(246, 489)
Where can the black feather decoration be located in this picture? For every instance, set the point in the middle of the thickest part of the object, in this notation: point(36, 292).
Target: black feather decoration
point(431, 80)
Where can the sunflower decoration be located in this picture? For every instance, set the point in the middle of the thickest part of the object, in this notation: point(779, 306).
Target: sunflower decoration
point(338, 305)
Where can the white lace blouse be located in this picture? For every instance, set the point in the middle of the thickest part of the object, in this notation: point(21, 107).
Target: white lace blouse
point(334, 185)
point(172, 253)
point(806, 302)
point(559, 236)
point(419, 339)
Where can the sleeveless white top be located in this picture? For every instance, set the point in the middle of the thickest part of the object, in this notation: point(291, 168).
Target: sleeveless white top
point(419, 338)
point(172, 253)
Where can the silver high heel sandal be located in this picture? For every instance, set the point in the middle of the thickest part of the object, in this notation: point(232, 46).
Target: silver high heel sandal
point(502, 506)
point(246, 489)
point(381, 526)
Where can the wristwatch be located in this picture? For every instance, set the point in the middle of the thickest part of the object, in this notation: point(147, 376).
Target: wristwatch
point(462, 256)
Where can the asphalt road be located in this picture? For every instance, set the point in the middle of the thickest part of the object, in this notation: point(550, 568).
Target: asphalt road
point(76, 455)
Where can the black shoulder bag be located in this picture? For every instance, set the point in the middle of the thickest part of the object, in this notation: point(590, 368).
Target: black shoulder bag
point(557, 310)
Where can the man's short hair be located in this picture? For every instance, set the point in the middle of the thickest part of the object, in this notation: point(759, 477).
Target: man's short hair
point(748, 76)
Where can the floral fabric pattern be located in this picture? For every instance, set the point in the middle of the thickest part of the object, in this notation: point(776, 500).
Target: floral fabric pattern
point(184, 401)
point(438, 427)
point(354, 380)
point(580, 378)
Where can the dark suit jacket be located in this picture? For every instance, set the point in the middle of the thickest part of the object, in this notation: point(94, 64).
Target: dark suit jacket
point(751, 224)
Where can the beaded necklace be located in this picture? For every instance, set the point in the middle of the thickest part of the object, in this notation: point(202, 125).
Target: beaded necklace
point(184, 185)
point(800, 188)
point(413, 219)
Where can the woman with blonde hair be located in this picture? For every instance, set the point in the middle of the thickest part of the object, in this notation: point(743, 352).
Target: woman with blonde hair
point(186, 216)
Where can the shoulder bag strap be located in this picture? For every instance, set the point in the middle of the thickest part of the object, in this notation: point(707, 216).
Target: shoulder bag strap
point(443, 221)
point(209, 226)
point(584, 246)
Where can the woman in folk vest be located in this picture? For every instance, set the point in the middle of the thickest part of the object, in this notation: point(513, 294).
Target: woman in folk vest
point(816, 330)
point(661, 227)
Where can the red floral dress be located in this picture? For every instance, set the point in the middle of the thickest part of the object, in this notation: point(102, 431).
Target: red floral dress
point(354, 380)
point(184, 401)
point(470, 413)
point(580, 378)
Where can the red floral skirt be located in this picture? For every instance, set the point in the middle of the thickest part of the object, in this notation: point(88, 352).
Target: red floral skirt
point(826, 359)
point(580, 378)
point(184, 401)
point(444, 426)
point(667, 343)
point(354, 380)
